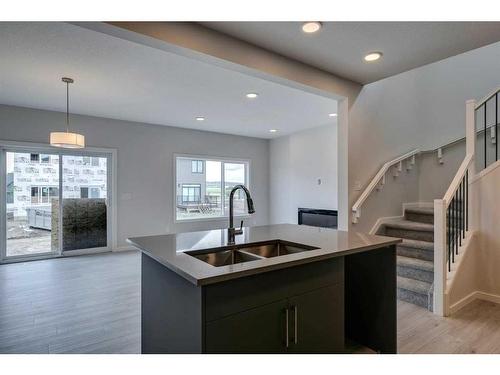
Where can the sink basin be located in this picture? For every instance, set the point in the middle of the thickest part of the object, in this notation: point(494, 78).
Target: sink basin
point(225, 257)
point(275, 249)
point(249, 253)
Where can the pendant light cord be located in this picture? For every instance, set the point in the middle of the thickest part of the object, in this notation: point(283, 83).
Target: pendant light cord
point(67, 107)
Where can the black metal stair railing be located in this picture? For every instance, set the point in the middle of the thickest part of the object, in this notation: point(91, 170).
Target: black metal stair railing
point(493, 123)
point(457, 220)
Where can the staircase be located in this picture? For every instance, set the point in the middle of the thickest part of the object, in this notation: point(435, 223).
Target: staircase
point(415, 255)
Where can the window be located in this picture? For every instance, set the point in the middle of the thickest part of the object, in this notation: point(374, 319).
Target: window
point(191, 193)
point(45, 159)
point(94, 192)
point(43, 194)
point(34, 158)
point(53, 192)
point(84, 192)
point(203, 187)
point(196, 166)
point(34, 195)
point(95, 162)
point(86, 160)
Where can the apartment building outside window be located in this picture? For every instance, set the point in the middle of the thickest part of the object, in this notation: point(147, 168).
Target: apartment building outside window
point(203, 186)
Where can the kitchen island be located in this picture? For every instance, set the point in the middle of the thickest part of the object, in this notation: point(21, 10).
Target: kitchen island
point(279, 289)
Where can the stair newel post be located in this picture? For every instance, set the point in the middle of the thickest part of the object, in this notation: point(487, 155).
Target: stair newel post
point(439, 296)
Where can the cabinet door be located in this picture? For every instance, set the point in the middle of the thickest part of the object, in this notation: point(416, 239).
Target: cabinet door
point(316, 323)
point(258, 330)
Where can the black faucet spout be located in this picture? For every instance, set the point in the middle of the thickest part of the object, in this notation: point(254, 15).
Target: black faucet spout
point(232, 232)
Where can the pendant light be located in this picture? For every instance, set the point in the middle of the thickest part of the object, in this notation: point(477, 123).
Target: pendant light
point(67, 139)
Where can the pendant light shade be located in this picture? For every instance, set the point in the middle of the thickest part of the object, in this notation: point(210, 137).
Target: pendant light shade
point(67, 139)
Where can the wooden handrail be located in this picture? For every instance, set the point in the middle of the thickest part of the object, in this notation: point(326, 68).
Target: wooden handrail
point(455, 183)
point(487, 97)
point(356, 208)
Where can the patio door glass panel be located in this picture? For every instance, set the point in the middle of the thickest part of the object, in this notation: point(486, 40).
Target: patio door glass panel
point(235, 174)
point(32, 204)
point(85, 202)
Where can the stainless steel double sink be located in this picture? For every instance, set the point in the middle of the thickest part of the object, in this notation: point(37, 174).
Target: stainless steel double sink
point(249, 252)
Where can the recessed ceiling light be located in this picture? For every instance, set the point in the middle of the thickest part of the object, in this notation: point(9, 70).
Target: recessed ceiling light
point(311, 27)
point(373, 56)
point(332, 115)
point(252, 95)
point(273, 130)
point(199, 118)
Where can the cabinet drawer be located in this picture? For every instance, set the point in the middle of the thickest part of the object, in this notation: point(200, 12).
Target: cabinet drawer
point(227, 298)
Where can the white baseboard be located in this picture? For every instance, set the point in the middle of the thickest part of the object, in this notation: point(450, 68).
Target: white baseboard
point(463, 302)
point(495, 298)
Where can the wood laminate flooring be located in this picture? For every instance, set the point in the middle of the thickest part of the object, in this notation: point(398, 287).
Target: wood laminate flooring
point(82, 304)
point(91, 304)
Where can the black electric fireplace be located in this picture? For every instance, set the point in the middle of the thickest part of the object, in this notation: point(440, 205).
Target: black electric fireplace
point(318, 218)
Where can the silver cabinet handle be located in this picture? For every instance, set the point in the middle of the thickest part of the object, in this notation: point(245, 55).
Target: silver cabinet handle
point(287, 339)
point(295, 312)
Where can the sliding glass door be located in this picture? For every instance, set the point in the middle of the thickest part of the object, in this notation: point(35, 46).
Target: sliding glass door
point(85, 203)
point(32, 202)
point(53, 202)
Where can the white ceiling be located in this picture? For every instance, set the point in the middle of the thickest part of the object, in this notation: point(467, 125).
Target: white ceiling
point(119, 79)
point(339, 47)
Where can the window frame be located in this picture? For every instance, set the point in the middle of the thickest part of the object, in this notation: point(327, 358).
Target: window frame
point(205, 158)
point(110, 157)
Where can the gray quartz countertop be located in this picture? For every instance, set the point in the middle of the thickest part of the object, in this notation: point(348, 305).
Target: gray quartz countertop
point(170, 249)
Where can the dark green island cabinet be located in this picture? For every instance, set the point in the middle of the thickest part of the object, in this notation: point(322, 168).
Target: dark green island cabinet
point(315, 307)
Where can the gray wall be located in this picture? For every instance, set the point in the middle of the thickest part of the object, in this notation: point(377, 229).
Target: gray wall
point(145, 164)
point(434, 177)
point(422, 108)
point(296, 163)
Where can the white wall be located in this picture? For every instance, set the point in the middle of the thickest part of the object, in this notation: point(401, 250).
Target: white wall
point(145, 164)
point(486, 194)
point(422, 108)
point(435, 178)
point(297, 162)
